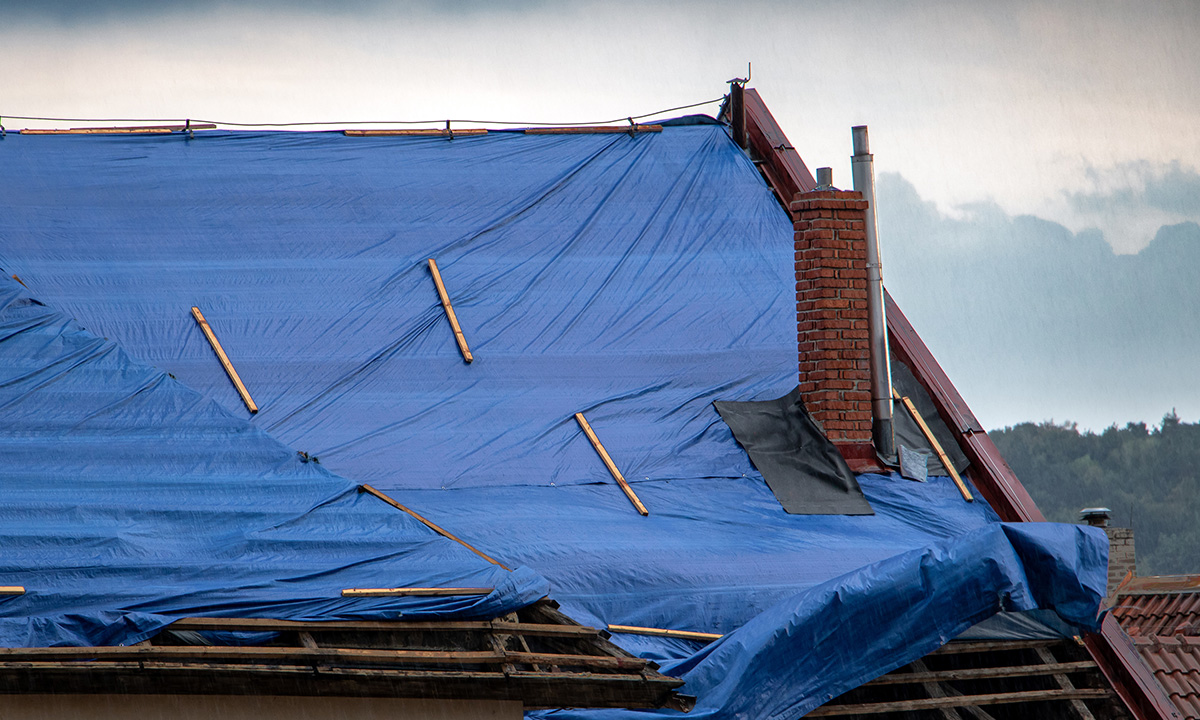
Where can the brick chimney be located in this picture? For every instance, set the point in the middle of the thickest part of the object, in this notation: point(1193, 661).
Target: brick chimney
point(831, 319)
point(1121, 558)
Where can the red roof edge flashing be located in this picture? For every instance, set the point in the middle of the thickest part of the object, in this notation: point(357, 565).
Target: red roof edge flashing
point(782, 166)
point(1111, 648)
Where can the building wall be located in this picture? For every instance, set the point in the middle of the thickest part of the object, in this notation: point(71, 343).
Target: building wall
point(249, 707)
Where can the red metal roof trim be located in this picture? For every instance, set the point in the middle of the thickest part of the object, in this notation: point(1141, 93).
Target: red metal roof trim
point(1111, 648)
point(781, 164)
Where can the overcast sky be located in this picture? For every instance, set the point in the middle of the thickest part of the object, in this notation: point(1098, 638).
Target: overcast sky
point(1084, 114)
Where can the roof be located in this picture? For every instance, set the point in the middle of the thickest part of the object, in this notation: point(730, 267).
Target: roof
point(1159, 605)
point(1176, 665)
point(633, 278)
point(1162, 615)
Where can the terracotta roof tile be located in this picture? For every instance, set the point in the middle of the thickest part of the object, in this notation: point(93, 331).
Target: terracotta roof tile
point(1176, 664)
point(1159, 605)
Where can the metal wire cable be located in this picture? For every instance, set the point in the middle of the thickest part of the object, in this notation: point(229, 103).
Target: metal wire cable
point(6, 116)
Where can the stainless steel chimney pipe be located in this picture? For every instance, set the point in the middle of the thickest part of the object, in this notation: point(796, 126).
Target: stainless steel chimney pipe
point(862, 164)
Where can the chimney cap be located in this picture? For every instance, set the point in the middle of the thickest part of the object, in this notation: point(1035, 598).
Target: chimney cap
point(1096, 516)
point(824, 178)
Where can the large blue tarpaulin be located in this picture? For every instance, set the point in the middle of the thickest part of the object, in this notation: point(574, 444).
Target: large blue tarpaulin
point(635, 279)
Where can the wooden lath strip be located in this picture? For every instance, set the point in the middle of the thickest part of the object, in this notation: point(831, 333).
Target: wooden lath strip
point(425, 132)
point(961, 701)
point(594, 130)
point(933, 442)
point(384, 626)
point(220, 351)
point(663, 632)
point(1080, 710)
point(12, 590)
point(414, 591)
point(958, 647)
point(982, 673)
point(432, 526)
point(445, 298)
point(148, 130)
point(608, 463)
point(342, 656)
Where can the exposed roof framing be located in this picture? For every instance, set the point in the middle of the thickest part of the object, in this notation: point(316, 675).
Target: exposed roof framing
point(1011, 679)
point(537, 656)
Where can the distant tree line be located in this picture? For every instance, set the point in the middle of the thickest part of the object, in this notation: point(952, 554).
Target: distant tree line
point(1148, 476)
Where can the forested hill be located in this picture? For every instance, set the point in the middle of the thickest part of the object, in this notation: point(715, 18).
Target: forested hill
point(1148, 476)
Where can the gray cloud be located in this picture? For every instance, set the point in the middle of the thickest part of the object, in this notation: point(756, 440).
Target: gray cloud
point(1034, 322)
point(73, 12)
point(1171, 188)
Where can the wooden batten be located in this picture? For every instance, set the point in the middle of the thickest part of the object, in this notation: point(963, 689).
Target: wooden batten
point(431, 525)
point(413, 132)
point(663, 632)
point(414, 591)
point(608, 463)
point(933, 442)
point(146, 130)
point(449, 309)
point(594, 130)
point(12, 590)
point(225, 363)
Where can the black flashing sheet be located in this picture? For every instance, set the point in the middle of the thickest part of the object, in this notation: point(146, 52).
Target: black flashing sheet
point(804, 470)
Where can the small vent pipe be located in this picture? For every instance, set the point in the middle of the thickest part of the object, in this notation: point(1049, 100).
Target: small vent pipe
point(863, 166)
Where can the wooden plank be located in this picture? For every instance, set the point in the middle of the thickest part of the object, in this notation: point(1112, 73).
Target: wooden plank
point(983, 673)
point(309, 655)
point(445, 298)
point(236, 653)
point(427, 132)
point(369, 626)
point(429, 524)
point(148, 130)
point(602, 662)
point(933, 442)
point(960, 701)
point(957, 647)
point(12, 590)
point(935, 690)
point(662, 632)
point(594, 130)
point(612, 466)
point(220, 351)
point(414, 591)
point(1081, 711)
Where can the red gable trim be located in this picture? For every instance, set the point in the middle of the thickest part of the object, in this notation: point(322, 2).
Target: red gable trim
point(781, 164)
point(1111, 648)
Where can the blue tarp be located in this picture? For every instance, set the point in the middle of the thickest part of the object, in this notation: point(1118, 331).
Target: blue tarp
point(128, 500)
point(635, 279)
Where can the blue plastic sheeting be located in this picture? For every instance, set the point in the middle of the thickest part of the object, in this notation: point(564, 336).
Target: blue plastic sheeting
point(635, 279)
point(816, 605)
point(128, 500)
point(624, 277)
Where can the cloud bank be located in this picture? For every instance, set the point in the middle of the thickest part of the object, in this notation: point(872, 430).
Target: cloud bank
point(1035, 322)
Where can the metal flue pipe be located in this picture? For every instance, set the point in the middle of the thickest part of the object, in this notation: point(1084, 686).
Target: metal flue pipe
point(863, 167)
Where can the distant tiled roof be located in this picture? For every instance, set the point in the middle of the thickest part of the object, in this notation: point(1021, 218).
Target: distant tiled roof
point(1162, 606)
point(1162, 615)
point(1176, 664)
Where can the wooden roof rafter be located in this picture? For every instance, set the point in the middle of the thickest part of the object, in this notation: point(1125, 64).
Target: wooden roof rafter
point(536, 655)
